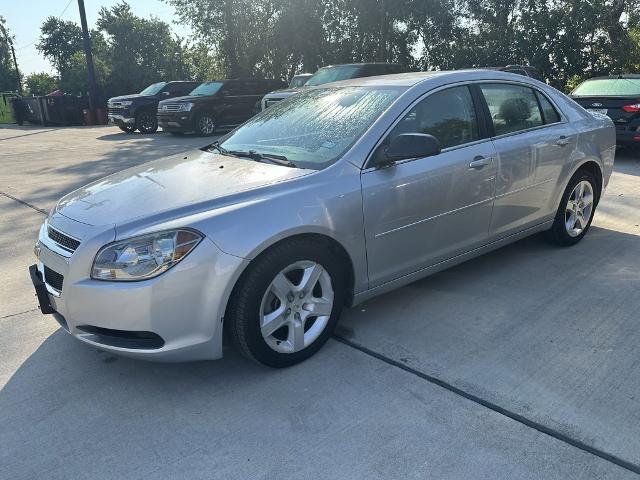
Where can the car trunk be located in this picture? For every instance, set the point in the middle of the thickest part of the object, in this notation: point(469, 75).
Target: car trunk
point(612, 105)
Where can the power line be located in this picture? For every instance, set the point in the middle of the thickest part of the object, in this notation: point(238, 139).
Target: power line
point(59, 15)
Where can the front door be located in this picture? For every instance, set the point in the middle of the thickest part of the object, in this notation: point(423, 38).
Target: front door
point(422, 211)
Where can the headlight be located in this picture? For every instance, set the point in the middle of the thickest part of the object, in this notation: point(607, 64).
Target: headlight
point(126, 103)
point(143, 257)
point(186, 107)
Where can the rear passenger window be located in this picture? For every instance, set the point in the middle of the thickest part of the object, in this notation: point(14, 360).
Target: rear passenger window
point(549, 114)
point(512, 107)
point(448, 115)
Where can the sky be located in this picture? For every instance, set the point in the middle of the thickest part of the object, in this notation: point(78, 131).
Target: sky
point(25, 17)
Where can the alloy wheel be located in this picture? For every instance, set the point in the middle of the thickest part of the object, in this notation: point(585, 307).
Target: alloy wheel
point(206, 125)
point(296, 307)
point(579, 208)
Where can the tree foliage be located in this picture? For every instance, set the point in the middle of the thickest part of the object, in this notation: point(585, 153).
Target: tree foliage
point(568, 40)
point(40, 83)
point(563, 38)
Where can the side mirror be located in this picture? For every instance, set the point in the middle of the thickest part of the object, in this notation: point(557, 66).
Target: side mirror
point(166, 94)
point(410, 145)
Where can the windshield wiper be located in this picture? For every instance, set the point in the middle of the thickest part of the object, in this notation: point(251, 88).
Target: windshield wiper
point(261, 157)
point(216, 146)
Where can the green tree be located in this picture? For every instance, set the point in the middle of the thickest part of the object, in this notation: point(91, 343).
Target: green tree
point(140, 51)
point(74, 81)
point(59, 40)
point(40, 83)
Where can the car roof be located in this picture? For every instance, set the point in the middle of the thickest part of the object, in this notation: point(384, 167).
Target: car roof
point(410, 79)
point(359, 64)
point(613, 77)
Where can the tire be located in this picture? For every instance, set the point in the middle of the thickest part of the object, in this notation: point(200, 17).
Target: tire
point(205, 125)
point(579, 214)
point(147, 122)
point(261, 294)
point(127, 128)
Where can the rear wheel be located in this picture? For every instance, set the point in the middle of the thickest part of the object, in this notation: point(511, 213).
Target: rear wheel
point(205, 125)
point(127, 128)
point(147, 122)
point(576, 210)
point(287, 303)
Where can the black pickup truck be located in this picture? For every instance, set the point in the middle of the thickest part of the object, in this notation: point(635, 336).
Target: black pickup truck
point(217, 104)
point(138, 111)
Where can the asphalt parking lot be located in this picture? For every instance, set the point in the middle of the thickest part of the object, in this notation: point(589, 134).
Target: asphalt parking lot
point(522, 364)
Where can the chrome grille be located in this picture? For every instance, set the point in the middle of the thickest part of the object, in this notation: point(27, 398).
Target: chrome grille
point(53, 278)
point(115, 110)
point(170, 107)
point(63, 241)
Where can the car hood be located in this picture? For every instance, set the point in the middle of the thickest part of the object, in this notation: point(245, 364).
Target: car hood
point(168, 184)
point(188, 98)
point(285, 92)
point(133, 96)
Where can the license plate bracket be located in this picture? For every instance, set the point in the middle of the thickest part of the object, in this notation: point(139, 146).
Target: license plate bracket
point(41, 290)
point(601, 111)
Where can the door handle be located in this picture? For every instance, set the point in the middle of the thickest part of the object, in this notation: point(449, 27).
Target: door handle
point(480, 162)
point(563, 141)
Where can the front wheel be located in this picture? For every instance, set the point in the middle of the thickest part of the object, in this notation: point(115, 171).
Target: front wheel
point(576, 210)
point(205, 125)
point(287, 303)
point(147, 122)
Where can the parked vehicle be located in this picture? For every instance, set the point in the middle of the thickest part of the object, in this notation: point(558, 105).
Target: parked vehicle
point(138, 111)
point(213, 105)
point(334, 73)
point(618, 97)
point(337, 195)
point(299, 80)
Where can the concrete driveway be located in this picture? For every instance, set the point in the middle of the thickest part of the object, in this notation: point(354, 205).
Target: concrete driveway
point(522, 364)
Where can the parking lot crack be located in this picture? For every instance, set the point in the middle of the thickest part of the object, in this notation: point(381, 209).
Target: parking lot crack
point(26, 204)
point(627, 465)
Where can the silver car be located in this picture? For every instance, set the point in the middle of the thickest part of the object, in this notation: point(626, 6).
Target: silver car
point(325, 200)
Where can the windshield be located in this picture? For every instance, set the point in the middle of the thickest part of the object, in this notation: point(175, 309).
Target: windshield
point(609, 87)
point(153, 89)
point(298, 81)
point(314, 128)
point(206, 88)
point(333, 74)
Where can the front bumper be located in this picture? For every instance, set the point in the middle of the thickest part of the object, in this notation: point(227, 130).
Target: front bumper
point(176, 121)
point(627, 134)
point(176, 316)
point(121, 120)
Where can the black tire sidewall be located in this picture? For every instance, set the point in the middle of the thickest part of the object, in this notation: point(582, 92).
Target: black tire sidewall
point(127, 129)
point(245, 311)
point(143, 129)
point(558, 230)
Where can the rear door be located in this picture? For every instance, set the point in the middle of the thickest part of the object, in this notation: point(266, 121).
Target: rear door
point(421, 211)
point(533, 143)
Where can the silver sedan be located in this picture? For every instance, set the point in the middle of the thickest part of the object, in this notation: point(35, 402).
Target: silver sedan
point(325, 200)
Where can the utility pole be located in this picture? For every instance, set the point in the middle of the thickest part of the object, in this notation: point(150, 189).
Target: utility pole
point(93, 91)
point(15, 64)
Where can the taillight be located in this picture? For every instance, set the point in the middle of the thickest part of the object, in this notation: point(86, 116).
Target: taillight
point(632, 108)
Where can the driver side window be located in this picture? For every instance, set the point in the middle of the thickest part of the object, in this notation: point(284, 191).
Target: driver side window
point(449, 115)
